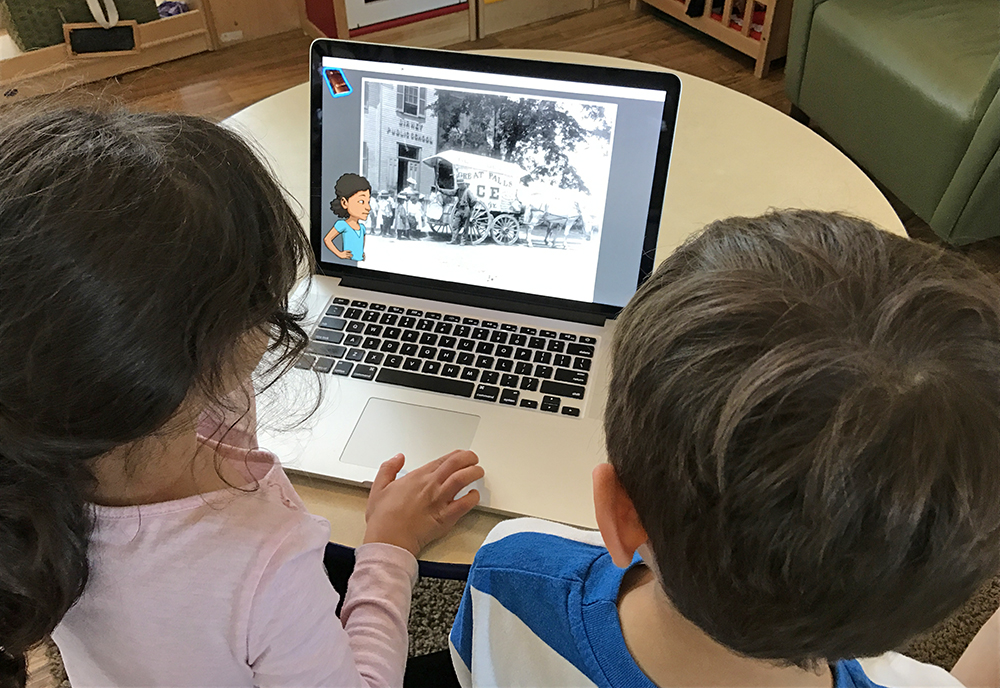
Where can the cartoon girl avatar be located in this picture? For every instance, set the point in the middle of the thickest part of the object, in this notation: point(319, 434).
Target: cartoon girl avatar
point(352, 204)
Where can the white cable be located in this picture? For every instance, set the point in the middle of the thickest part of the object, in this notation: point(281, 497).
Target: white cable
point(112, 13)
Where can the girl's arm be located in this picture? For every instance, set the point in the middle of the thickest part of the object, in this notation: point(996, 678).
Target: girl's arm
point(980, 664)
point(329, 239)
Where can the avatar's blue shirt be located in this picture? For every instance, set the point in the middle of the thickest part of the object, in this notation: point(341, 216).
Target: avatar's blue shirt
point(354, 240)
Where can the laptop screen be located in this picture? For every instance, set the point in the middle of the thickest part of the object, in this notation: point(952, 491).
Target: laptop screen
point(534, 181)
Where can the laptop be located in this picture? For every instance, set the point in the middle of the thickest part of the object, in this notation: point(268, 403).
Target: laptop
point(477, 224)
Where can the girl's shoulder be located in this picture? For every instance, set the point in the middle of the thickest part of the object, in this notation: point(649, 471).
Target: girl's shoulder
point(341, 225)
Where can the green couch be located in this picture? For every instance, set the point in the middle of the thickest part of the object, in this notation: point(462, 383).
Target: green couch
point(910, 89)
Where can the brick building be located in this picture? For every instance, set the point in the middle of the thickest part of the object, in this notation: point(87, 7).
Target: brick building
point(399, 132)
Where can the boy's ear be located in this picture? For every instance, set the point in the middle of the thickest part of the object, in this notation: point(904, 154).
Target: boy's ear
point(617, 519)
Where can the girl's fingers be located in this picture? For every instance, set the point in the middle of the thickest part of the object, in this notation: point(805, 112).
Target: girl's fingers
point(459, 508)
point(387, 472)
point(460, 479)
point(455, 461)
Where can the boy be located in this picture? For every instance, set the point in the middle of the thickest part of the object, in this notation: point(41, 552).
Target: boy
point(802, 437)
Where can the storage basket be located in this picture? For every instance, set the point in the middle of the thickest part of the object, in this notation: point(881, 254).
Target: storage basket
point(34, 24)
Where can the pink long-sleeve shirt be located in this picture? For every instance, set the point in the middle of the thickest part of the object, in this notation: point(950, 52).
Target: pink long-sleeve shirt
point(228, 589)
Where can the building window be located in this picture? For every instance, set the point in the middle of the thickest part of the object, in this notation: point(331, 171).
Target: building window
point(411, 100)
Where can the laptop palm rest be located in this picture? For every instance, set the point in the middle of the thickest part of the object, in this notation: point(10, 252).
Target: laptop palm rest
point(420, 433)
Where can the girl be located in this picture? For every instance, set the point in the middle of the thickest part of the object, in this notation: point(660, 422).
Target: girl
point(145, 266)
point(352, 204)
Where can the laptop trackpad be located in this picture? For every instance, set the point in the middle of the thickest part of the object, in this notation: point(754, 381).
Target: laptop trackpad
point(420, 433)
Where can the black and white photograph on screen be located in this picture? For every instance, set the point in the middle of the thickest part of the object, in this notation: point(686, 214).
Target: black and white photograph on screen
point(498, 189)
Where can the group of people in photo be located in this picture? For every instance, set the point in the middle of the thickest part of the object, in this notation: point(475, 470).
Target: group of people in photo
point(408, 214)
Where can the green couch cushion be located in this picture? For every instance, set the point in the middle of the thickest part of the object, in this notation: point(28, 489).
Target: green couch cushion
point(897, 83)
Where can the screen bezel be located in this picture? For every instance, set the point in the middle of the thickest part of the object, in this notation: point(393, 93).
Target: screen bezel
point(467, 294)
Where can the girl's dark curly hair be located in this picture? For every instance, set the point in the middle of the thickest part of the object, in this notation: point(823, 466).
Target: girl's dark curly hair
point(137, 250)
point(347, 185)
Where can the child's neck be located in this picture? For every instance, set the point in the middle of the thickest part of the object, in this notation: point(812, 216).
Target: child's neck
point(161, 468)
point(672, 651)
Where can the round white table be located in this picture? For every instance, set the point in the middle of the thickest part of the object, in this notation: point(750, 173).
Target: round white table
point(732, 155)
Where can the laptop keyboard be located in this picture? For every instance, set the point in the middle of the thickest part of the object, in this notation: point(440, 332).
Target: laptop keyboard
point(489, 361)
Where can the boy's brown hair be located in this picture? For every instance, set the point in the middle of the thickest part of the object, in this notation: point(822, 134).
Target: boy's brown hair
point(805, 412)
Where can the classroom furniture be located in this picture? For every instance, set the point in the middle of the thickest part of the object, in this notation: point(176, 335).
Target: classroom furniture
point(418, 23)
point(758, 28)
point(769, 161)
point(500, 15)
point(910, 89)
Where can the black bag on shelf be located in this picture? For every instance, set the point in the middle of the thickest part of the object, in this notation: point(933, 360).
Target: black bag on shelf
point(34, 24)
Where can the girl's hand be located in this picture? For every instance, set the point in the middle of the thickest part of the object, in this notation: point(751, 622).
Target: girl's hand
point(420, 507)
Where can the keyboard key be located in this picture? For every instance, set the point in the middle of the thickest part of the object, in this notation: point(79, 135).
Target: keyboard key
point(562, 360)
point(373, 330)
point(328, 336)
point(389, 346)
point(588, 340)
point(443, 328)
point(359, 304)
point(425, 325)
point(431, 383)
point(428, 339)
point(484, 348)
point(371, 316)
point(518, 340)
point(431, 368)
point(581, 350)
point(323, 365)
point(529, 384)
point(388, 319)
point(427, 352)
point(508, 380)
point(450, 370)
point(550, 404)
point(522, 355)
point(353, 313)
point(547, 333)
point(452, 318)
point(576, 377)
point(462, 331)
point(484, 362)
point(391, 333)
point(377, 306)
point(489, 377)
point(342, 301)
point(543, 371)
point(355, 326)
point(480, 333)
point(407, 322)
point(393, 361)
point(528, 403)
point(466, 345)
point(504, 365)
point(499, 337)
point(353, 340)
point(432, 316)
point(446, 355)
point(335, 311)
point(571, 411)
point(562, 389)
point(543, 357)
point(331, 350)
point(448, 342)
point(567, 337)
point(414, 312)
point(509, 397)
point(412, 364)
point(556, 346)
point(522, 368)
point(305, 362)
point(343, 368)
point(364, 372)
point(396, 309)
point(374, 358)
point(536, 342)
point(491, 324)
point(470, 374)
point(333, 323)
point(581, 364)
point(470, 321)
point(371, 343)
point(355, 354)
point(487, 393)
point(505, 351)
point(409, 349)
point(529, 330)
point(507, 327)
point(410, 336)
point(466, 359)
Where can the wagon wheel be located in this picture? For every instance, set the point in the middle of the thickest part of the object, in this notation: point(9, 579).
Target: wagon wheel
point(505, 229)
point(479, 223)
